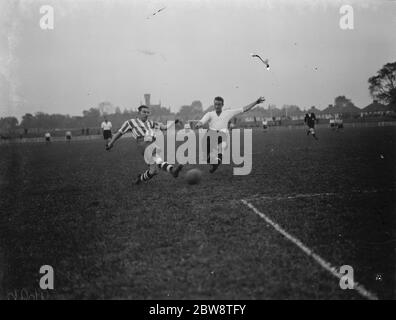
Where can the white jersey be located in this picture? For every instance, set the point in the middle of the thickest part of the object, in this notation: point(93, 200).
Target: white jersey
point(220, 122)
point(106, 125)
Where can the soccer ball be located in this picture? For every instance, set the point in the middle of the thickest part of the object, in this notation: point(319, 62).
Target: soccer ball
point(193, 176)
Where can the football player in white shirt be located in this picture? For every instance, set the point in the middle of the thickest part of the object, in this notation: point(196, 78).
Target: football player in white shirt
point(47, 137)
point(265, 124)
point(218, 121)
point(106, 129)
point(68, 136)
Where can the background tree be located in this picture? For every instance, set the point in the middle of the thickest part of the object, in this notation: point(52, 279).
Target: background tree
point(291, 110)
point(191, 112)
point(117, 110)
point(8, 124)
point(383, 85)
point(343, 102)
point(105, 107)
point(27, 121)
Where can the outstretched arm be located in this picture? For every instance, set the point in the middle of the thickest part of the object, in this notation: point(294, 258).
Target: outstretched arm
point(203, 121)
point(253, 104)
point(198, 125)
point(167, 126)
point(110, 145)
point(124, 129)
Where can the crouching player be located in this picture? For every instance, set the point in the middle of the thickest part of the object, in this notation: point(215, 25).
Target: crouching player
point(143, 130)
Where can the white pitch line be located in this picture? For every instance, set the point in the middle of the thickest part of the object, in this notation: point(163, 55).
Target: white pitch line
point(323, 263)
point(296, 196)
point(312, 195)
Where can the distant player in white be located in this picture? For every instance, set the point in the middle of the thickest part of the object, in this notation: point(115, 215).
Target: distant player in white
point(47, 137)
point(338, 122)
point(106, 129)
point(332, 124)
point(68, 136)
point(218, 122)
point(265, 124)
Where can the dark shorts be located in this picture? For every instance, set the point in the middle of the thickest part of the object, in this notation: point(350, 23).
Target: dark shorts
point(107, 134)
point(47, 139)
point(210, 147)
point(68, 137)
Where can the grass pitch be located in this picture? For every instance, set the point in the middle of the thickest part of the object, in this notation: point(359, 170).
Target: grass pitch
point(74, 207)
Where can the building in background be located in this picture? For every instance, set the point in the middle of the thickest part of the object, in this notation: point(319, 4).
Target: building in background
point(376, 109)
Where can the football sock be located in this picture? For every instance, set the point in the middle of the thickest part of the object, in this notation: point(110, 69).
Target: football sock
point(166, 166)
point(146, 176)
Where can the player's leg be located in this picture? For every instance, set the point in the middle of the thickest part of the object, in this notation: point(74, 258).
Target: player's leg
point(165, 166)
point(151, 171)
point(174, 170)
point(148, 174)
point(107, 135)
point(156, 165)
point(212, 149)
point(220, 147)
point(208, 150)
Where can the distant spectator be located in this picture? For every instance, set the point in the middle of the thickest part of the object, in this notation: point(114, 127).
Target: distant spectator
point(47, 137)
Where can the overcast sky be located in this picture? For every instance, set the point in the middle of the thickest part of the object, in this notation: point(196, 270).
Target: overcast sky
point(192, 50)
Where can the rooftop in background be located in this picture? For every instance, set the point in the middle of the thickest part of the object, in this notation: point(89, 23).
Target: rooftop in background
point(375, 106)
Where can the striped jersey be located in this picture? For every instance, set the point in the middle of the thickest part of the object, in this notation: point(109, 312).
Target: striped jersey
point(139, 128)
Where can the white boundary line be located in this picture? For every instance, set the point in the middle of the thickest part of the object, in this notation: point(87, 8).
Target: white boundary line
point(323, 263)
point(311, 195)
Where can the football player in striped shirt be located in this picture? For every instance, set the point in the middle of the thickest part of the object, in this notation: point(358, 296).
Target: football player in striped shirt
point(143, 130)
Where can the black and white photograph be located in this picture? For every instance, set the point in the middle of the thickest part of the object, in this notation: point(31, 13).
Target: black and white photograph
point(197, 155)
